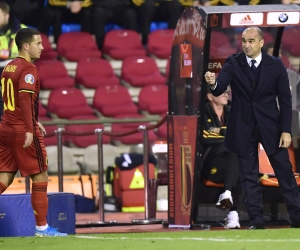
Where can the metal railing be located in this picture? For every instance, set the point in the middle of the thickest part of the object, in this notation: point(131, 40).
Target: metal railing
point(149, 185)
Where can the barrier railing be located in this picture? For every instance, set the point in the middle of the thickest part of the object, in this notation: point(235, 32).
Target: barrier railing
point(150, 186)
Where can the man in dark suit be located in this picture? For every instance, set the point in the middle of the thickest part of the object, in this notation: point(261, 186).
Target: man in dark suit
point(261, 111)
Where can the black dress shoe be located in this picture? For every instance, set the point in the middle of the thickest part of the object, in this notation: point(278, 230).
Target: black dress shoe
point(256, 227)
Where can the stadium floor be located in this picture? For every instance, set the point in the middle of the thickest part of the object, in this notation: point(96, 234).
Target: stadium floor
point(84, 220)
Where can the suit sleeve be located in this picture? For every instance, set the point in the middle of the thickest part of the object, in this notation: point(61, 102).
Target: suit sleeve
point(224, 78)
point(284, 99)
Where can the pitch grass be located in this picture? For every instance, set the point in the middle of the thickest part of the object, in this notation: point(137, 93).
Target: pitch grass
point(270, 239)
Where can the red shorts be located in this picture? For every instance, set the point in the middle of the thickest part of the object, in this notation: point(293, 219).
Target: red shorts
point(14, 157)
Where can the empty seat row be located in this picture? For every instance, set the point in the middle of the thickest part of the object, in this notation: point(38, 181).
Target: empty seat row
point(137, 71)
point(110, 101)
point(118, 44)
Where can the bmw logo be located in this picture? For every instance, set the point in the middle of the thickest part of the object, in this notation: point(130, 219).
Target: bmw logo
point(283, 17)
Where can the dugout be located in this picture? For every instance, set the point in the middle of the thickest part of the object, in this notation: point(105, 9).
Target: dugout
point(203, 39)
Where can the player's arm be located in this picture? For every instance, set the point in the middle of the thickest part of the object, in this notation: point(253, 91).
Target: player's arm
point(1, 106)
point(25, 106)
point(27, 83)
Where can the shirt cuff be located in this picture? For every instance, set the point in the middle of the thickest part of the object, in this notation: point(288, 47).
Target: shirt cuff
point(213, 87)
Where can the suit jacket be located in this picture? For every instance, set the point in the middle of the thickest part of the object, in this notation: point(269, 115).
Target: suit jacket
point(255, 102)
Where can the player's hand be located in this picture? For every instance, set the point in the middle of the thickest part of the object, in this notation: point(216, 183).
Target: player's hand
point(75, 7)
point(285, 140)
point(210, 78)
point(28, 139)
point(42, 129)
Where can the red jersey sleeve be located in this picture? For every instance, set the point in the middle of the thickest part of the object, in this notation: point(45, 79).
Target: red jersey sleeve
point(28, 79)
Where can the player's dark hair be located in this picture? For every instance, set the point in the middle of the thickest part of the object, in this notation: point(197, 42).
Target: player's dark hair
point(25, 35)
point(4, 7)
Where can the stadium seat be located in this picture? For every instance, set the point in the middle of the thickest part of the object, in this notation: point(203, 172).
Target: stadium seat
point(68, 102)
point(74, 46)
point(220, 46)
point(83, 141)
point(125, 127)
point(90, 157)
point(119, 44)
point(94, 72)
point(113, 100)
point(160, 43)
point(289, 42)
point(53, 74)
point(267, 173)
point(42, 110)
point(48, 52)
point(162, 131)
point(153, 99)
point(51, 138)
point(69, 163)
point(139, 71)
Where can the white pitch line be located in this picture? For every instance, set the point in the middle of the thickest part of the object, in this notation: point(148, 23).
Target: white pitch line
point(191, 239)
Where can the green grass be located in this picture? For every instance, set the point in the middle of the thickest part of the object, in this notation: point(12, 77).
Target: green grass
point(270, 239)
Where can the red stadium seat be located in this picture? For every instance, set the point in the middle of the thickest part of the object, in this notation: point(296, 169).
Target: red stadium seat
point(53, 74)
point(220, 46)
point(42, 110)
point(139, 71)
point(113, 100)
point(68, 102)
point(119, 44)
point(94, 72)
point(153, 99)
point(160, 43)
point(48, 52)
point(290, 42)
point(125, 127)
point(51, 138)
point(162, 131)
point(82, 141)
point(74, 46)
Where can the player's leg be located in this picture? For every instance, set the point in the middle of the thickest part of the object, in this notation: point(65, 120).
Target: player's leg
point(6, 179)
point(39, 199)
point(8, 166)
point(33, 162)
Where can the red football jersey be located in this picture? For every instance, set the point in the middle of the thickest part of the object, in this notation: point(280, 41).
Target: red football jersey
point(19, 75)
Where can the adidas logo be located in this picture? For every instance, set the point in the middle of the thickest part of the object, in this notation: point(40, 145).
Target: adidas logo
point(246, 20)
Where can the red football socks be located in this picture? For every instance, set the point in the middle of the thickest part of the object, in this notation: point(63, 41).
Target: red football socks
point(2, 188)
point(39, 201)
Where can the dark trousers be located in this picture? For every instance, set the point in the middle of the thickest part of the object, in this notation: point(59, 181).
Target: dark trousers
point(249, 174)
point(148, 12)
point(123, 16)
point(55, 16)
point(223, 168)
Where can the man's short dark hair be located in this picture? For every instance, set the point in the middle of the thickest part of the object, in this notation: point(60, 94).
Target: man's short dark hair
point(25, 35)
point(4, 7)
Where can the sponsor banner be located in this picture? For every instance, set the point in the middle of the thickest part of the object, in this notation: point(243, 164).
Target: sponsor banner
point(277, 18)
point(182, 134)
point(186, 68)
point(246, 19)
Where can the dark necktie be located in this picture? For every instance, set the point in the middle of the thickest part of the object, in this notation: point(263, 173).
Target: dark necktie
point(253, 68)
